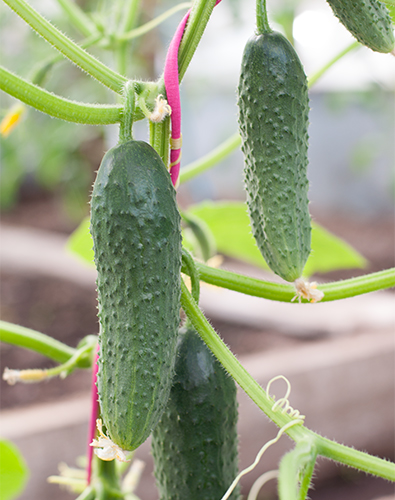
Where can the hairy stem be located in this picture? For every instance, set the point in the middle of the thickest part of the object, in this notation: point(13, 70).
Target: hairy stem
point(56, 106)
point(232, 365)
point(198, 19)
point(354, 458)
point(285, 293)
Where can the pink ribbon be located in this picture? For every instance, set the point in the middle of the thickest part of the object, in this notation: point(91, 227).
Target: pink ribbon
point(172, 86)
point(94, 415)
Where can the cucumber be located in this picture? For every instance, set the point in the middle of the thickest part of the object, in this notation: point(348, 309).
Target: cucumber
point(135, 226)
point(195, 443)
point(368, 21)
point(273, 120)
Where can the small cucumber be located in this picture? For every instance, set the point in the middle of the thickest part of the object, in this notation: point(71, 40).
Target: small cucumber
point(368, 21)
point(273, 119)
point(135, 225)
point(195, 443)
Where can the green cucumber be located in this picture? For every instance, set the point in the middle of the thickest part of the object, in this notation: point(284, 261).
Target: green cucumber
point(135, 226)
point(368, 21)
point(273, 120)
point(195, 443)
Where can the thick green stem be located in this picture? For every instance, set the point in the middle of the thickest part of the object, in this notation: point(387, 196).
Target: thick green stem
point(198, 19)
point(285, 293)
point(38, 342)
point(262, 23)
point(354, 458)
point(307, 475)
point(188, 262)
point(56, 106)
point(125, 129)
point(291, 464)
point(127, 22)
point(68, 48)
point(160, 138)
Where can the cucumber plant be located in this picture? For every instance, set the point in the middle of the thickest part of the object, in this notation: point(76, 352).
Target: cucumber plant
point(135, 225)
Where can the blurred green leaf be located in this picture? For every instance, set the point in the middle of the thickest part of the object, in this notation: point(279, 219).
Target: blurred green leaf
point(80, 242)
point(13, 471)
point(230, 225)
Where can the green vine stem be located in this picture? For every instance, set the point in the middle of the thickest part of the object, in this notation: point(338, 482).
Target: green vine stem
point(39, 342)
point(129, 14)
point(125, 129)
point(56, 106)
point(324, 447)
point(78, 17)
point(262, 23)
point(198, 19)
point(67, 47)
point(145, 28)
point(291, 464)
point(188, 262)
point(285, 293)
point(354, 458)
point(160, 137)
point(307, 474)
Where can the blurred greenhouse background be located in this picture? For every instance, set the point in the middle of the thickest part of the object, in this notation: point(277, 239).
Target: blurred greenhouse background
point(48, 167)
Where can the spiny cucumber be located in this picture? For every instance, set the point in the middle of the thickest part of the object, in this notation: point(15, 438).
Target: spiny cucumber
point(195, 443)
point(135, 225)
point(273, 119)
point(368, 20)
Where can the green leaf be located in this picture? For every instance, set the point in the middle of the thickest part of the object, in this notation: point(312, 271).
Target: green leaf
point(13, 471)
point(230, 225)
point(80, 242)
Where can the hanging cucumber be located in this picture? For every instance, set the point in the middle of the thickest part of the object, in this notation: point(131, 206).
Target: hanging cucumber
point(368, 21)
point(195, 443)
point(273, 119)
point(135, 227)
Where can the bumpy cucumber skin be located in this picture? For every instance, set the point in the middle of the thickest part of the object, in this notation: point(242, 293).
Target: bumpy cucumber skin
point(273, 120)
point(195, 443)
point(368, 20)
point(135, 225)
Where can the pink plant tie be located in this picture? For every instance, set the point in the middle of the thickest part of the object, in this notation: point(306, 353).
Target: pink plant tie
point(94, 415)
point(172, 86)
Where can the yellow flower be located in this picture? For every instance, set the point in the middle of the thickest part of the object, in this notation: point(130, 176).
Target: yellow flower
point(11, 119)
